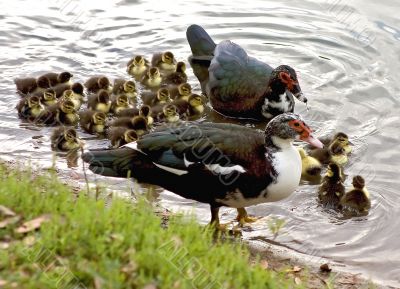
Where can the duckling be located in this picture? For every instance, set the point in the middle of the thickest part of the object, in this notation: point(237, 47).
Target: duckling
point(65, 139)
point(334, 152)
point(77, 88)
point(63, 112)
point(310, 167)
point(161, 97)
point(181, 91)
point(127, 87)
point(57, 78)
point(332, 189)
point(357, 200)
point(92, 121)
point(48, 97)
point(164, 61)
point(137, 123)
point(119, 103)
point(152, 79)
point(76, 99)
point(31, 84)
point(144, 111)
point(100, 101)
point(137, 66)
point(30, 108)
point(177, 77)
point(169, 114)
point(96, 83)
point(120, 136)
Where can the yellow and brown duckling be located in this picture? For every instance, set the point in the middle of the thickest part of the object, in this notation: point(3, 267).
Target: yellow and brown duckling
point(137, 66)
point(162, 96)
point(144, 111)
point(137, 123)
point(76, 87)
point(165, 61)
point(119, 103)
point(77, 99)
point(61, 113)
point(357, 200)
point(152, 78)
point(65, 139)
point(310, 167)
point(58, 78)
point(335, 152)
point(47, 97)
point(178, 76)
point(192, 108)
point(96, 83)
point(100, 101)
point(332, 189)
point(169, 114)
point(127, 87)
point(31, 84)
point(181, 91)
point(120, 136)
point(30, 108)
point(92, 121)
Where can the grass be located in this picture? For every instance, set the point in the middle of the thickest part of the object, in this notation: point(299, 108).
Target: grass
point(86, 243)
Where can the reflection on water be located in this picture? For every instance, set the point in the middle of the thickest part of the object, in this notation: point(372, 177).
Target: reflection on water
point(345, 54)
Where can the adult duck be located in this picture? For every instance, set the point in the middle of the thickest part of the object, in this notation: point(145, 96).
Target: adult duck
point(239, 85)
point(215, 163)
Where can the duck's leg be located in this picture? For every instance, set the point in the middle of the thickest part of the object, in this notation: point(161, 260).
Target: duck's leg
point(215, 219)
point(243, 217)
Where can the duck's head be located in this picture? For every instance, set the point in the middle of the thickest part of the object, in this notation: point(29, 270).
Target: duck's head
point(153, 73)
point(67, 106)
point(99, 118)
point(49, 95)
point(71, 135)
point(64, 77)
point(284, 77)
point(358, 182)
point(139, 60)
point(181, 67)
point(334, 172)
point(139, 123)
point(103, 82)
point(129, 86)
point(337, 147)
point(195, 100)
point(77, 88)
point(103, 96)
point(43, 82)
point(167, 57)
point(34, 102)
point(130, 135)
point(342, 138)
point(163, 95)
point(68, 94)
point(283, 129)
point(184, 89)
point(145, 111)
point(170, 110)
point(122, 100)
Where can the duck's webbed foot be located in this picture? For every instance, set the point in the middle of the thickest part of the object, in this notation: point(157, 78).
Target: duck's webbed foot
point(244, 218)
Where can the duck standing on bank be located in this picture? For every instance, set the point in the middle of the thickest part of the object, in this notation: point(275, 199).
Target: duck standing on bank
point(215, 163)
point(239, 85)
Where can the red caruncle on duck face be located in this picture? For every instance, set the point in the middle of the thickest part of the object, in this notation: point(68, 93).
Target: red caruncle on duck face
point(304, 132)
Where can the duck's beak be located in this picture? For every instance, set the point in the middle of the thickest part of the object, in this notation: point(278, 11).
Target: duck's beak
point(309, 138)
point(296, 91)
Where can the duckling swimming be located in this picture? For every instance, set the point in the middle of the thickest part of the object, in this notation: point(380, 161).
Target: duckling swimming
point(96, 83)
point(100, 101)
point(48, 97)
point(137, 66)
point(76, 99)
point(164, 61)
point(120, 136)
point(334, 152)
point(31, 84)
point(65, 139)
point(30, 108)
point(357, 200)
point(144, 111)
point(119, 103)
point(76, 88)
point(181, 91)
point(310, 167)
point(177, 77)
point(58, 78)
point(169, 114)
point(92, 121)
point(152, 79)
point(127, 87)
point(161, 97)
point(332, 189)
point(63, 112)
point(137, 123)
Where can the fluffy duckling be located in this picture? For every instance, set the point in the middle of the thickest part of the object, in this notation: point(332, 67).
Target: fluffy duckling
point(137, 123)
point(76, 87)
point(63, 112)
point(58, 78)
point(165, 61)
point(169, 114)
point(48, 97)
point(100, 101)
point(92, 122)
point(119, 102)
point(127, 87)
point(178, 76)
point(137, 66)
point(181, 91)
point(144, 111)
point(120, 136)
point(310, 167)
point(334, 152)
point(77, 99)
point(65, 139)
point(161, 97)
point(332, 189)
point(30, 108)
point(152, 79)
point(31, 84)
point(96, 83)
point(357, 200)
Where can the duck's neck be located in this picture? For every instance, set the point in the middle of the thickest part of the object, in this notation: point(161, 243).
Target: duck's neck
point(278, 143)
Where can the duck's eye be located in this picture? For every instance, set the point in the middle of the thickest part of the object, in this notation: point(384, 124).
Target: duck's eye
point(296, 124)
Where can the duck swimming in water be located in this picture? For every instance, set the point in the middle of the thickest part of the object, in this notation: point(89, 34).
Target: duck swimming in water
point(357, 200)
point(332, 189)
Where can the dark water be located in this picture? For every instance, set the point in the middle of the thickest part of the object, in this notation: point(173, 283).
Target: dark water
point(346, 53)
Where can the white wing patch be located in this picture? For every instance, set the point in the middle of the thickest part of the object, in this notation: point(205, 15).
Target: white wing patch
point(171, 170)
point(218, 169)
